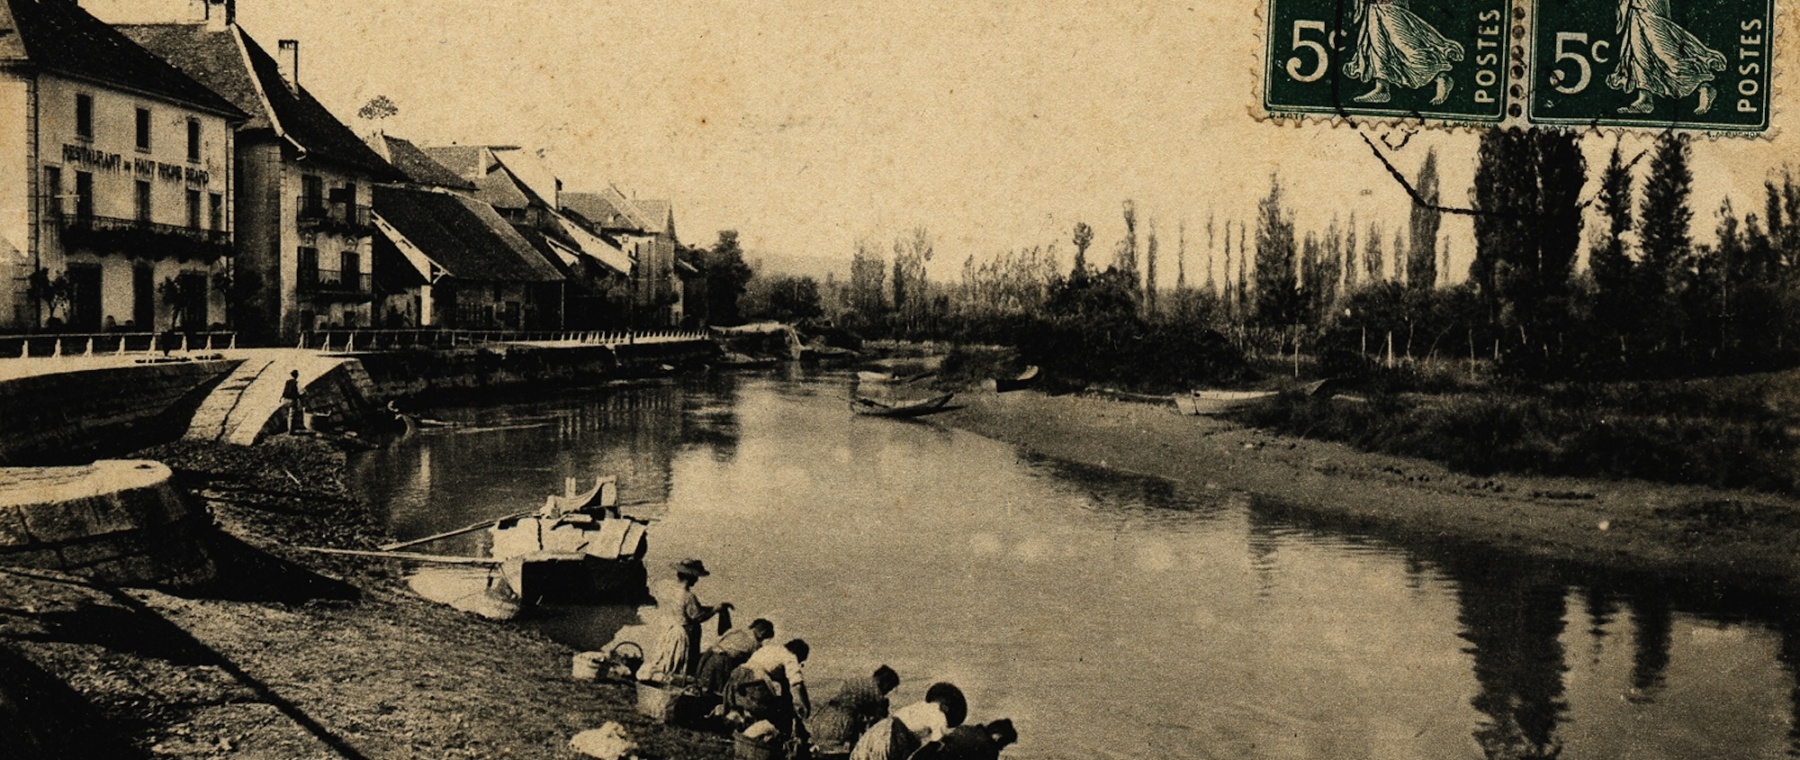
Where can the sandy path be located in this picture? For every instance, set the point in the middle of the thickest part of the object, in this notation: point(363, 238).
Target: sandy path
point(1697, 533)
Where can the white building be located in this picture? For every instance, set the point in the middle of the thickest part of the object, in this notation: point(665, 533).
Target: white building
point(304, 180)
point(116, 189)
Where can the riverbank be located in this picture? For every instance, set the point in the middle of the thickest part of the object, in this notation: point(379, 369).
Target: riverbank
point(1688, 533)
point(297, 654)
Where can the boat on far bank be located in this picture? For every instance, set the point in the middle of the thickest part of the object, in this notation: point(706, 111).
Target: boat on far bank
point(1017, 382)
point(1203, 403)
point(918, 408)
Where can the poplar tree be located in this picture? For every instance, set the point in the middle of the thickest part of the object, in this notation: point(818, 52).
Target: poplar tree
point(1421, 259)
point(1609, 261)
point(1084, 237)
point(1276, 290)
point(1150, 270)
point(1527, 229)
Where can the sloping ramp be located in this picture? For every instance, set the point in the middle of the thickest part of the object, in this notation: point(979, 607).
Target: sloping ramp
point(248, 401)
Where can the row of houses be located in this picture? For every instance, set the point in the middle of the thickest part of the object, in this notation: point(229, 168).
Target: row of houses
point(178, 176)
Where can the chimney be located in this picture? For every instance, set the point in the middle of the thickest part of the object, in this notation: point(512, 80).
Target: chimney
point(289, 61)
point(219, 14)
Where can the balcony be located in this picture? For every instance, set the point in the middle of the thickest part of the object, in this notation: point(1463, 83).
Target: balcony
point(109, 234)
point(334, 282)
point(315, 213)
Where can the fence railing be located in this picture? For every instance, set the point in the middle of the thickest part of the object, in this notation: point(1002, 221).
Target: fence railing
point(113, 344)
point(332, 281)
point(395, 339)
point(314, 211)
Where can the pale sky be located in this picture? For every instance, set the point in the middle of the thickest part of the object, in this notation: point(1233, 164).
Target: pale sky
point(805, 125)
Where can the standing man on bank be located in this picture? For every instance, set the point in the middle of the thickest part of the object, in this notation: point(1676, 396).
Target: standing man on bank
point(290, 400)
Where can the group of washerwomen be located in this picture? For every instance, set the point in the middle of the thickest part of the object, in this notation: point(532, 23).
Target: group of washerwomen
point(758, 680)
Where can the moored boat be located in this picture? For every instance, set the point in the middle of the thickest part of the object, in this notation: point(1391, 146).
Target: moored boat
point(873, 407)
point(1217, 402)
point(575, 549)
point(1020, 381)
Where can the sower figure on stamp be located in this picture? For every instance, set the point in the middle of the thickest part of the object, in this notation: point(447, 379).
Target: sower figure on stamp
point(1394, 47)
point(1658, 57)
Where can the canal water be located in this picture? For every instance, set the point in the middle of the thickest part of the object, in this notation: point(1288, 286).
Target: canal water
point(1108, 615)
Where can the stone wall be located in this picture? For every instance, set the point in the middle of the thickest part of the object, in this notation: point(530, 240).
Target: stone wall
point(68, 417)
point(113, 521)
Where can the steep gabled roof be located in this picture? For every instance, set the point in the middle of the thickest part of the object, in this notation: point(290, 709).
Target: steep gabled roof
point(234, 66)
point(416, 165)
point(659, 215)
point(462, 236)
point(59, 36)
point(494, 183)
point(605, 210)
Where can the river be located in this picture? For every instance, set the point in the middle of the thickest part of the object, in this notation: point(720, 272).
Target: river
point(1109, 615)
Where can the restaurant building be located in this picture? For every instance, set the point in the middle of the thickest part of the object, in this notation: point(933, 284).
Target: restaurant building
point(304, 180)
point(116, 193)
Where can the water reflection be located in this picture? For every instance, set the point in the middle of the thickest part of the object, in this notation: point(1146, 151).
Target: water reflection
point(1118, 616)
point(1513, 621)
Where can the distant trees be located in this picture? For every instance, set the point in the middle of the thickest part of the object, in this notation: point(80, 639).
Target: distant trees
point(726, 277)
point(1421, 255)
point(784, 298)
point(1527, 230)
point(868, 271)
point(1084, 237)
point(911, 252)
point(1277, 297)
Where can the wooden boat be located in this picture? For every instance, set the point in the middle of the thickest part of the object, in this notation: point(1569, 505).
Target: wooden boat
point(919, 408)
point(889, 378)
point(575, 549)
point(1218, 402)
point(1020, 381)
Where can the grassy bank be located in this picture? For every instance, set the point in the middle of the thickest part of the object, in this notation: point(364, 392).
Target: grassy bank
point(1724, 433)
point(301, 655)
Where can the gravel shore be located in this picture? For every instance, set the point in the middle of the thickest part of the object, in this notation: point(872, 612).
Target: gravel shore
point(297, 655)
point(1693, 534)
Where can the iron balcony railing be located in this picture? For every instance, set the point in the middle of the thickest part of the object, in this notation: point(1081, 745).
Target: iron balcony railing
point(333, 281)
point(315, 212)
point(91, 223)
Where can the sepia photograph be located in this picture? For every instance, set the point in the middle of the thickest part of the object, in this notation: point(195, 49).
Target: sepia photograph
point(916, 380)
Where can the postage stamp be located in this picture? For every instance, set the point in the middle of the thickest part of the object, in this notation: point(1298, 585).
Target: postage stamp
point(1429, 59)
point(1686, 64)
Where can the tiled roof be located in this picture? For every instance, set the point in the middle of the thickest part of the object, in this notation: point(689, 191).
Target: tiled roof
point(60, 36)
point(416, 165)
point(607, 210)
point(494, 184)
point(463, 236)
point(218, 59)
point(657, 215)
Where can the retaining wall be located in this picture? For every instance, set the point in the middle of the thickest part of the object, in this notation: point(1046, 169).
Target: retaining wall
point(113, 521)
point(68, 417)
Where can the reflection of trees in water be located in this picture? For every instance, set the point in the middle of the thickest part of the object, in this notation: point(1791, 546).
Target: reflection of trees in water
point(635, 429)
point(1263, 544)
point(1789, 656)
point(1652, 623)
point(1512, 618)
point(1601, 605)
point(709, 415)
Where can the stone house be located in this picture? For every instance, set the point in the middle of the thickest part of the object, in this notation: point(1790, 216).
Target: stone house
point(116, 197)
point(303, 180)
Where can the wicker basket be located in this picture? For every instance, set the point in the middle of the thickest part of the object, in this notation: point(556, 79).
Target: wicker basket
point(746, 748)
point(668, 705)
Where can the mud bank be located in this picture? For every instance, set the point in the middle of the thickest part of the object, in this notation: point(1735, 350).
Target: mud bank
point(292, 654)
point(1690, 534)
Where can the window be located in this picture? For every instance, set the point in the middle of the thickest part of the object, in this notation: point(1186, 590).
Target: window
point(193, 209)
point(84, 194)
point(193, 141)
point(308, 266)
point(312, 195)
point(53, 190)
point(351, 275)
point(143, 129)
point(215, 209)
point(143, 201)
point(84, 117)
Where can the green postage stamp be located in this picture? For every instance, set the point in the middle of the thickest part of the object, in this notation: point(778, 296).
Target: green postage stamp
point(1652, 64)
point(1443, 60)
point(1694, 64)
